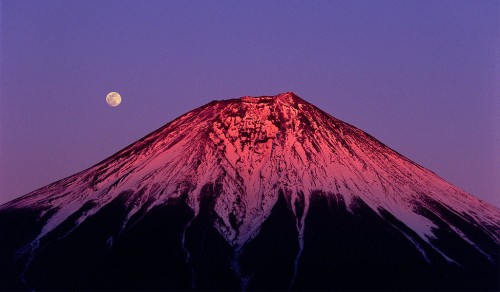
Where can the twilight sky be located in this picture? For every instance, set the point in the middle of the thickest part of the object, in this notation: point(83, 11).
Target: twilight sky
point(421, 76)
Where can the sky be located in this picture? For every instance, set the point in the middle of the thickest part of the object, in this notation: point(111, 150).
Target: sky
point(420, 76)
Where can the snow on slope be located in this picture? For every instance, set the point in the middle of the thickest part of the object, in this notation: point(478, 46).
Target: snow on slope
point(252, 148)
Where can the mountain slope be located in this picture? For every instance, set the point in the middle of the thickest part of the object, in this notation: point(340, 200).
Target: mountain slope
point(252, 193)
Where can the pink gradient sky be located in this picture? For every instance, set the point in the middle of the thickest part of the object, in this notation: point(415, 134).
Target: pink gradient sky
point(421, 76)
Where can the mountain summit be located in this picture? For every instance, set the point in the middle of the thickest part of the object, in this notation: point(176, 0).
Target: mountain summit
point(266, 193)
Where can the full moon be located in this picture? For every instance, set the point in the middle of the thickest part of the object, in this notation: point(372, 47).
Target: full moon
point(113, 99)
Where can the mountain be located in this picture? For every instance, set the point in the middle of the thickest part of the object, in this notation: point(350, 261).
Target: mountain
point(255, 193)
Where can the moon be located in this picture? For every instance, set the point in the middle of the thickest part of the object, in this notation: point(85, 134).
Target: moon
point(113, 99)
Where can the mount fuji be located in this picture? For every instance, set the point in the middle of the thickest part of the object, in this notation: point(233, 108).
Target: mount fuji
point(254, 193)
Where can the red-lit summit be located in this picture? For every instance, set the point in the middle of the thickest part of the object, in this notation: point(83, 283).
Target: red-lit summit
point(254, 193)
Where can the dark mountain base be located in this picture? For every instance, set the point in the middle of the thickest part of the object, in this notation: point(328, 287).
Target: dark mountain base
point(362, 250)
point(167, 248)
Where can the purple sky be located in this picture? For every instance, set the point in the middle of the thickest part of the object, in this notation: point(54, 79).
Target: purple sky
point(421, 76)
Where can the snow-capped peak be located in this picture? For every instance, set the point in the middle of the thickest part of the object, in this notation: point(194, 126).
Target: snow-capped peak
point(248, 151)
